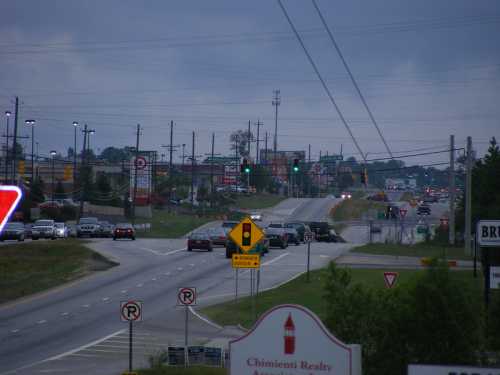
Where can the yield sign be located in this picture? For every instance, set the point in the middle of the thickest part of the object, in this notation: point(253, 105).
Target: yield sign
point(9, 198)
point(390, 279)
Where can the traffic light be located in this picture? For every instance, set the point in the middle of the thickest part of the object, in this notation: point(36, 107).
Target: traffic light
point(295, 167)
point(246, 234)
point(245, 168)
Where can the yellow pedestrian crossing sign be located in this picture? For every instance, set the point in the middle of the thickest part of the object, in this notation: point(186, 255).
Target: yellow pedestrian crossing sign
point(246, 234)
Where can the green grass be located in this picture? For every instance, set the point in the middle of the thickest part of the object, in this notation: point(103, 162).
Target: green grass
point(166, 224)
point(184, 371)
point(417, 250)
point(351, 209)
point(310, 294)
point(32, 267)
point(258, 201)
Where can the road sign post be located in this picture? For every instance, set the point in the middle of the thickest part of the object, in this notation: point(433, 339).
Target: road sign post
point(308, 239)
point(186, 297)
point(130, 311)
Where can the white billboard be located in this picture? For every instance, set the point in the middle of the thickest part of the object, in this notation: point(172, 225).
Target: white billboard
point(291, 340)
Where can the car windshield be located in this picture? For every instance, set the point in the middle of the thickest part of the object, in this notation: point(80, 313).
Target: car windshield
point(59, 225)
point(88, 220)
point(14, 226)
point(275, 225)
point(42, 223)
point(229, 224)
point(216, 232)
point(199, 236)
point(272, 230)
point(293, 225)
point(123, 226)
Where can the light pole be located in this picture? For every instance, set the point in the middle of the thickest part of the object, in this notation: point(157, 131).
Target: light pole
point(36, 158)
point(32, 124)
point(88, 140)
point(53, 154)
point(183, 153)
point(7, 115)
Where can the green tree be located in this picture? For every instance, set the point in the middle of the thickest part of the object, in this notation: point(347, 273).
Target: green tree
point(261, 178)
point(240, 139)
point(103, 185)
point(59, 191)
point(36, 192)
point(115, 155)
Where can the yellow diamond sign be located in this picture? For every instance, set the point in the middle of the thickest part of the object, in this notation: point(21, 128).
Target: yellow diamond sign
point(246, 234)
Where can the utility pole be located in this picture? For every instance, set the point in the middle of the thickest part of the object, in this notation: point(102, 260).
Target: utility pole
point(138, 134)
point(192, 174)
point(265, 154)
point(248, 140)
point(468, 199)
point(276, 102)
point(14, 144)
point(7, 135)
point(452, 191)
point(183, 154)
point(83, 184)
point(257, 154)
point(308, 169)
point(212, 172)
point(171, 148)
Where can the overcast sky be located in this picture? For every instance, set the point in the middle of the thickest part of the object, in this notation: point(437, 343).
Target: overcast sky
point(428, 69)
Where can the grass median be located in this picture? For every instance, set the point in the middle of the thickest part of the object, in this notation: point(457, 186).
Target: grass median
point(420, 250)
point(258, 201)
point(166, 224)
point(32, 267)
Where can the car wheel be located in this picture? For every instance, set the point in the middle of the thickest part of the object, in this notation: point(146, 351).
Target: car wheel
point(189, 249)
point(210, 248)
point(283, 245)
point(21, 239)
point(34, 238)
point(114, 238)
point(297, 243)
point(53, 237)
point(133, 238)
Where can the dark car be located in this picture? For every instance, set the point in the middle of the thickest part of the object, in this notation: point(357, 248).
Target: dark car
point(124, 230)
point(261, 248)
point(13, 231)
point(424, 209)
point(200, 240)
point(277, 237)
point(323, 232)
point(300, 227)
point(293, 236)
point(218, 236)
point(105, 229)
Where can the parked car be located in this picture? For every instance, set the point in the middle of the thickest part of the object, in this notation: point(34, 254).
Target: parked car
point(61, 230)
point(262, 247)
point(293, 235)
point(323, 232)
point(300, 227)
point(200, 240)
point(228, 226)
point(43, 229)
point(277, 237)
point(276, 225)
point(27, 230)
point(424, 209)
point(256, 216)
point(13, 231)
point(88, 226)
point(105, 229)
point(218, 236)
point(124, 230)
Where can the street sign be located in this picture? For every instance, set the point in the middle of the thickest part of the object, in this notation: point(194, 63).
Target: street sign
point(308, 236)
point(245, 261)
point(140, 162)
point(186, 296)
point(402, 212)
point(131, 311)
point(246, 234)
point(291, 339)
point(488, 233)
point(494, 277)
point(390, 279)
point(9, 198)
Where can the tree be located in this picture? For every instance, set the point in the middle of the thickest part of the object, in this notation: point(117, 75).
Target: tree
point(103, 185)
point(261, 178)
point(59, 191)
point(36, 191)
point(116, 155)
point(240, 139)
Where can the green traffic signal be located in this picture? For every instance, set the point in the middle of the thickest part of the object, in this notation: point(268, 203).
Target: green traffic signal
point(295, 169)
point(247, 169)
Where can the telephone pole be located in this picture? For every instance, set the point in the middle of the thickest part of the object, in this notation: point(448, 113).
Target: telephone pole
point(83, 172)
point(257, 154)
point(192, 173)
point(7, 135)
point(265, 154)
point(248, 139)
point(276, 102)
point(171, 147)
point(309, 168)
point(451, 221)
point(468, 199)
point(138, 134)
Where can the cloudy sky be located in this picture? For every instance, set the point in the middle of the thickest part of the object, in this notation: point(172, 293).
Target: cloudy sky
point(427, 68)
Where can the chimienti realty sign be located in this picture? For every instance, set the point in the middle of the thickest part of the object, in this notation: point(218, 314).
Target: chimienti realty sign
point(291, 340)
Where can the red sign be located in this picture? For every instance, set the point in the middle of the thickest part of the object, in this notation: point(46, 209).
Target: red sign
point(131, 311)
point(186, 296)
point(403, 212)
point(9, 198)
point(390, 279)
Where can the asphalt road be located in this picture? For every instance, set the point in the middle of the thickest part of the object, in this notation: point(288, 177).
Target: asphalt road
point(77, 329)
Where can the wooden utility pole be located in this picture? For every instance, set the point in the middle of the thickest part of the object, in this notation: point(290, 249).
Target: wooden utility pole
point(134, 198)
point(452, 191)
point(212, 172)
point(192, 173)
point(14, 143)
point(257, 153)
point(468, 199)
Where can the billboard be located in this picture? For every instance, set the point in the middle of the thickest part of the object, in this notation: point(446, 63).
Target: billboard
point(141, 164)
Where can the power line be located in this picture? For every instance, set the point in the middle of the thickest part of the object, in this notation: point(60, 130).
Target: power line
point(321, 79)
point(355, 84)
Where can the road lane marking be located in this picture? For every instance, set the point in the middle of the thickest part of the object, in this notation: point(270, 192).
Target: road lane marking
point(191, 264)
point(65, 313)
point(324, 256)
point(275, 259)
point(209, 322)
point(167, 273)
point(179, 268)
point(140, 285)
point(43, 321)
point(14, 331)
point(159, 253)
point(86, 306)
point(124, 291)
point(105, 299)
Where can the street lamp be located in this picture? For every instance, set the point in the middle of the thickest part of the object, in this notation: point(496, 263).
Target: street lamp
point(32, 124)
point(53, 154)
point(88, 140)
point(7, 115)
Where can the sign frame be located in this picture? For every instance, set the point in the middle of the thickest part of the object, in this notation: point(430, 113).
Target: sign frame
point(479, 238)
point(236, 258)
point(184, 290)
point(237, 234)
point(137, 304)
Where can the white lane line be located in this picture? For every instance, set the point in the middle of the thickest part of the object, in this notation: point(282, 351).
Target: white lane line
point(83, 347)
point(43, 321)
point(179, 268)
point(174, 251)
point(105, 299)
point(140, 285)
point(153, 279)
point(86, 306)
point(85, 355)
point(159, 253)
point(209, 322)
point(151, 250)
point(275, 259)
point(167, 273)
point(324, 256)
point(64, 313)
point(103, 351)
point(124, 291)
point(191, 264)
point(14, 331)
